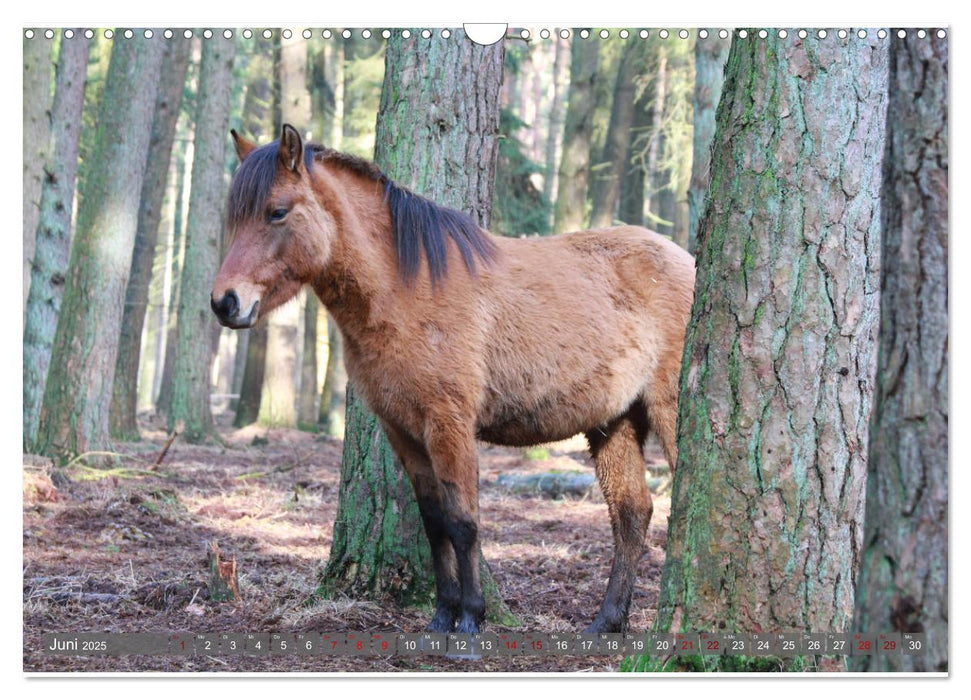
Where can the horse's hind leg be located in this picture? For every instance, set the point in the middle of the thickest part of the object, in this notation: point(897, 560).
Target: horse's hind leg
point(616, 450)
point(431, 504)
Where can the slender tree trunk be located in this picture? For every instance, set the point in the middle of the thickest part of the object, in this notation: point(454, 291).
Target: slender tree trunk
point(194, 351)
point(710, 55)
point(250, 393)
point(613, 160)
point(377, 546)
point(307, 409)
point(555, 136)
point(655, 149)
point(259, 108)
point(767, 505)
point(124, 398)
point(634, 181)
point(569, 213)
point(86, 343)
point(53, 239)
point(278, 405)
point(333, 396)
point(183, 169)
point(37, 128)
point(903, 583)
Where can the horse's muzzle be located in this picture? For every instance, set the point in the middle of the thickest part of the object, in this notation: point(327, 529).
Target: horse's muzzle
point(228, 312)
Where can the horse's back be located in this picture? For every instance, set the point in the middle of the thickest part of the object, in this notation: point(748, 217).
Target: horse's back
point(583, 325)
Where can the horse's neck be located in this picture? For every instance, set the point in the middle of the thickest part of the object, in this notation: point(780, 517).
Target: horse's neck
point(356, 286)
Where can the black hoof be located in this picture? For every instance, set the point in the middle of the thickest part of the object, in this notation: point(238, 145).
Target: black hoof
point(468, 625)
point(444, 621)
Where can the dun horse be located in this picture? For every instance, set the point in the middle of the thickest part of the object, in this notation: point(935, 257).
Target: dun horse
point(452, 334)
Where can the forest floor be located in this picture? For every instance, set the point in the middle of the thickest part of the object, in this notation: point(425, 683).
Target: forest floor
point(124, 550)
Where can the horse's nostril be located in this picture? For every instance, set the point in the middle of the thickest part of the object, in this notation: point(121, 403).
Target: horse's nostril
point(227, 307)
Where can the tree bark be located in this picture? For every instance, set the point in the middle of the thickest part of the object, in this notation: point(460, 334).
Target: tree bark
point(634, 179)
point(613, 160)
point(555, 136)
point(377, 546)
point(53, 235)
point(86, 343)
point(569, 213)
point(710, 55)
point(183, 168)
point(903, 577)
point(203, 234)
point(124, 398)
point(38, 64)
point(333, 395)
point(767, 504)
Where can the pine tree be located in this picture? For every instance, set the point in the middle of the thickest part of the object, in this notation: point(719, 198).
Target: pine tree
point(203, 236)
point(86, 342)
point(124, 398)
point(903, 583)
point(53, 236)
point(379, 542)
point(38, 64)
point(569, 212)
point(767, 504)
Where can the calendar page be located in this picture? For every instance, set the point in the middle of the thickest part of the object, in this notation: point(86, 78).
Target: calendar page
point(521, 347)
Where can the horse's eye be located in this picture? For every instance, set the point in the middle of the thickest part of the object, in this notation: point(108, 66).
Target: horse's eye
point(278, 215)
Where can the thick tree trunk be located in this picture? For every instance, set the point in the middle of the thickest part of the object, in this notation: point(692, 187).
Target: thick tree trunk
point(463, 79)
point(613, 160)
point(710, 55)
point(124, 398)
point(569, 214)
point(379, 544)
point(767, 504)
point(53, 239)
point(86, 343)
point(903, 583)
point(37, 130)
point(203, 235)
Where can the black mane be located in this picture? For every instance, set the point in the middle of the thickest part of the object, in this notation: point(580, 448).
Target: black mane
point(417, 223)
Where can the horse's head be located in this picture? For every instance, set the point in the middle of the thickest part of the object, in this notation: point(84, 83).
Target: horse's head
point(281, 235)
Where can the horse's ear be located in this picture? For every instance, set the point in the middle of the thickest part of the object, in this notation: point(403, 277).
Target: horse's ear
point(243, 147)
point(291, 148)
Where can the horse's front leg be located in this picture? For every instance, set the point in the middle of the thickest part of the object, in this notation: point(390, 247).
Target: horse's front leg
point(455, 461)
point(430, 498)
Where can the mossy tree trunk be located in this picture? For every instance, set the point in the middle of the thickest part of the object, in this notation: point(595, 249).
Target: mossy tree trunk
point(767, 504)
point(569, 212)
point(379, 543)
point(124, 398)
point(85, 347)
point(38, 62)
point(710, 55)
point(903, 583)
point(203, 236)
point(53, 239)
